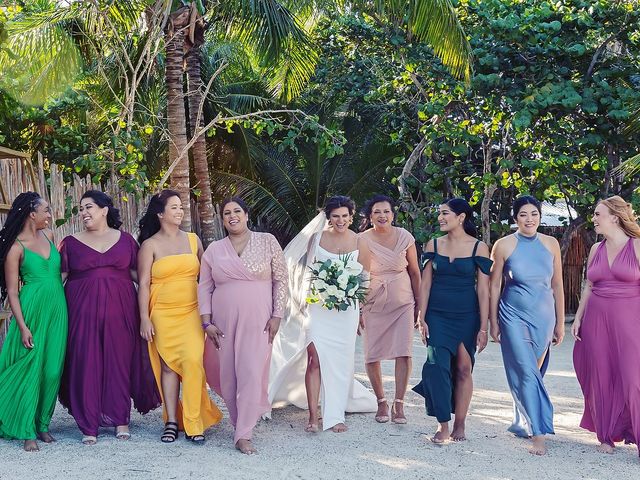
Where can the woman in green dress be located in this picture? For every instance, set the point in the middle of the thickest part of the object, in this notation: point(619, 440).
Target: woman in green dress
point(454, 312)
point(32, 356)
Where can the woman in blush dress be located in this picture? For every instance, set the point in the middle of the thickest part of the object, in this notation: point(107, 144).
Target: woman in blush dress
point(389, 314)
point(527, 317)
point(242, 295)
point(319, 351)
point(107, 362)
point(168, 268)
point(454, 313)
point(32, 355)
point(606, 354)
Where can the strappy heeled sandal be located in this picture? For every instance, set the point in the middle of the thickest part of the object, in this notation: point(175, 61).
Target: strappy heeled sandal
point(382, 418)
point(197, 439)
point(170, 432)
point(395, 418)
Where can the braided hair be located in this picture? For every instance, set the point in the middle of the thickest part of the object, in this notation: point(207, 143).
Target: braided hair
point(150, 223)
point(22, 206)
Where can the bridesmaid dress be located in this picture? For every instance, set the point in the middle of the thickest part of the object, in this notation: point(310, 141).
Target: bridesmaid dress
point(179, 338)
point(333, 334)
point(107, 360)
point(241, 293)
point(388, 312)
point(607, 358)
point(453, 317)
point(29, 378)
point(527, 317)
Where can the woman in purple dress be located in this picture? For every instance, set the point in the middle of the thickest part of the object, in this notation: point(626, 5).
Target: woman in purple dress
point(107, 361)
point(607, 349)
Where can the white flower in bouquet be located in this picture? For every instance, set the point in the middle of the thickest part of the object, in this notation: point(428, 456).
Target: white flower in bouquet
point(353, 267)
point(337, 283)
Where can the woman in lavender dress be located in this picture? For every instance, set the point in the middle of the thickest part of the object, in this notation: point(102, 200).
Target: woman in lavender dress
point(107, 361)
point(606, 328)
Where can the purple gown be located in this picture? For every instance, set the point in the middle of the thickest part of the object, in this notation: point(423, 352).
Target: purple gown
point(107, 362)
point(607, 358)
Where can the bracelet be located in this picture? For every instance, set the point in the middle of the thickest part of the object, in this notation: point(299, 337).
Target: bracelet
point(483, 331)
point(206, 324)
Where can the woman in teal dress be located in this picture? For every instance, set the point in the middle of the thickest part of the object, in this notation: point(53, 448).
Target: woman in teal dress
point(454, 293)
point(32, 356)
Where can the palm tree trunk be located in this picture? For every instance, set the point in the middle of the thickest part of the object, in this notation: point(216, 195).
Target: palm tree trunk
point(199, 149)
point(174, 70)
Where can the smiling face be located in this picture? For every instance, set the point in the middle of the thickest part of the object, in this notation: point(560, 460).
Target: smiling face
point(41, 215)
point(234, 218)
point(173, 211)
point(93, 217)
point(381, 215)
point(603, 220)
point(340, 219)
point(528, 220)
point(448, 220)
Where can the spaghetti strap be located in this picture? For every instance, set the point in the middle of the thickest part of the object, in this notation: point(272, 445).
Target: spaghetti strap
point(435, 245)
point(475, 248)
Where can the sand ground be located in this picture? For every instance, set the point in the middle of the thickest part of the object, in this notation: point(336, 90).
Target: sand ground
point(367, 450)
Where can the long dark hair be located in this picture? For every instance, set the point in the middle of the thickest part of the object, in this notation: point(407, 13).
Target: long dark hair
point(460, 206)
point(367, 209)
point(102, 200)
point(338, 201)
point(22, 206)
point(150, 223)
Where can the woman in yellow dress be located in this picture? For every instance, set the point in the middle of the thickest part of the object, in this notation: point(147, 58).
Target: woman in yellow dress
point(168, 267)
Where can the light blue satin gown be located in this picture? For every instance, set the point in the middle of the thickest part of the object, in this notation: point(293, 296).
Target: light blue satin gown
point(527, 318)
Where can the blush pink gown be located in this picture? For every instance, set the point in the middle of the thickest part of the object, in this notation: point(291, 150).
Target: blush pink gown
point(242, 293)
point(388, 312)
point(607, 358)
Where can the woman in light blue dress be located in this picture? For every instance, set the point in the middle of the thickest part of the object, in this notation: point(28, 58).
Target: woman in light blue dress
point(527, 317)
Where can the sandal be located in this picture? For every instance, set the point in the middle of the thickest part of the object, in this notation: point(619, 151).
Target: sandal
point(170, 432)
point(395, 418)
point(382, 418)
point(123, 435)
point(89, 440)
point(197, 439)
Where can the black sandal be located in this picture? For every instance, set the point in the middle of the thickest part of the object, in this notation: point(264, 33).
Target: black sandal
point(197, 439)
point(170, 432)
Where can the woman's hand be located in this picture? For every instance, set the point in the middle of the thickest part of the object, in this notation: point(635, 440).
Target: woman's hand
point(215, 334)
point(481, 340)
point(575, 328)
point(424, 331)
point(271, 328)
point(27, 338)
point(416, 317)
point(146, 330)
point(361, 324)
point(495, 332)
point(558, 334)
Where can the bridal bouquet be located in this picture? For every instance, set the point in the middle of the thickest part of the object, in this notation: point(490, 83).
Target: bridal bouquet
point(337, 283)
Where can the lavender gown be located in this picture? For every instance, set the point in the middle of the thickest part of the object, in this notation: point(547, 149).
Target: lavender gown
point(607, 358)
point(107, 361)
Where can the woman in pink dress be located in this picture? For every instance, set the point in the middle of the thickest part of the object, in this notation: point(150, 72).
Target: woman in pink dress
point(242, 294)
point(388, 317)
point(607, 349)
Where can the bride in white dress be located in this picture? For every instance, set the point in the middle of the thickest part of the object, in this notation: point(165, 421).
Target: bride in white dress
point(313, 355)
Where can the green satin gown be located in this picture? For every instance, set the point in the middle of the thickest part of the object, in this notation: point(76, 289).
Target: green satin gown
point(30, 378)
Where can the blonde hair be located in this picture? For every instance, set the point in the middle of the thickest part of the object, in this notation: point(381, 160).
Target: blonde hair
point(627, 219)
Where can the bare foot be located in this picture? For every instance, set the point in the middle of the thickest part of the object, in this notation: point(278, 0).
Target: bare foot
point(441, 435)
point(31, 446)
point(605, 448)
point(457, 435)
point(245, 446)
point(122, 432)
point(538, 446)
point(339, 428)
point(46, 437)
point(311, 428)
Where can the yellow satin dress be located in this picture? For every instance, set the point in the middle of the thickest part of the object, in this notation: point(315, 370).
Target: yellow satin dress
point(179, 338)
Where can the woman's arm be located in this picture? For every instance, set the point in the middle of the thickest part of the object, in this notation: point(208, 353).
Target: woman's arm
point(145, 261)
point(558, 292)
point(12, 278)
point(423, 297)
point(414, 274)
point(495, 288)
point(584, 298)
point(482, 289)
point(206, 286)
point(280, 288)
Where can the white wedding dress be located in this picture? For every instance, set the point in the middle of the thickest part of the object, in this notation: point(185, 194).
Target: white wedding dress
point(332, 332)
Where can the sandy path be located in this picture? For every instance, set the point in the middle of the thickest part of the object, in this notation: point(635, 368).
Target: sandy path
point(367, 450)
